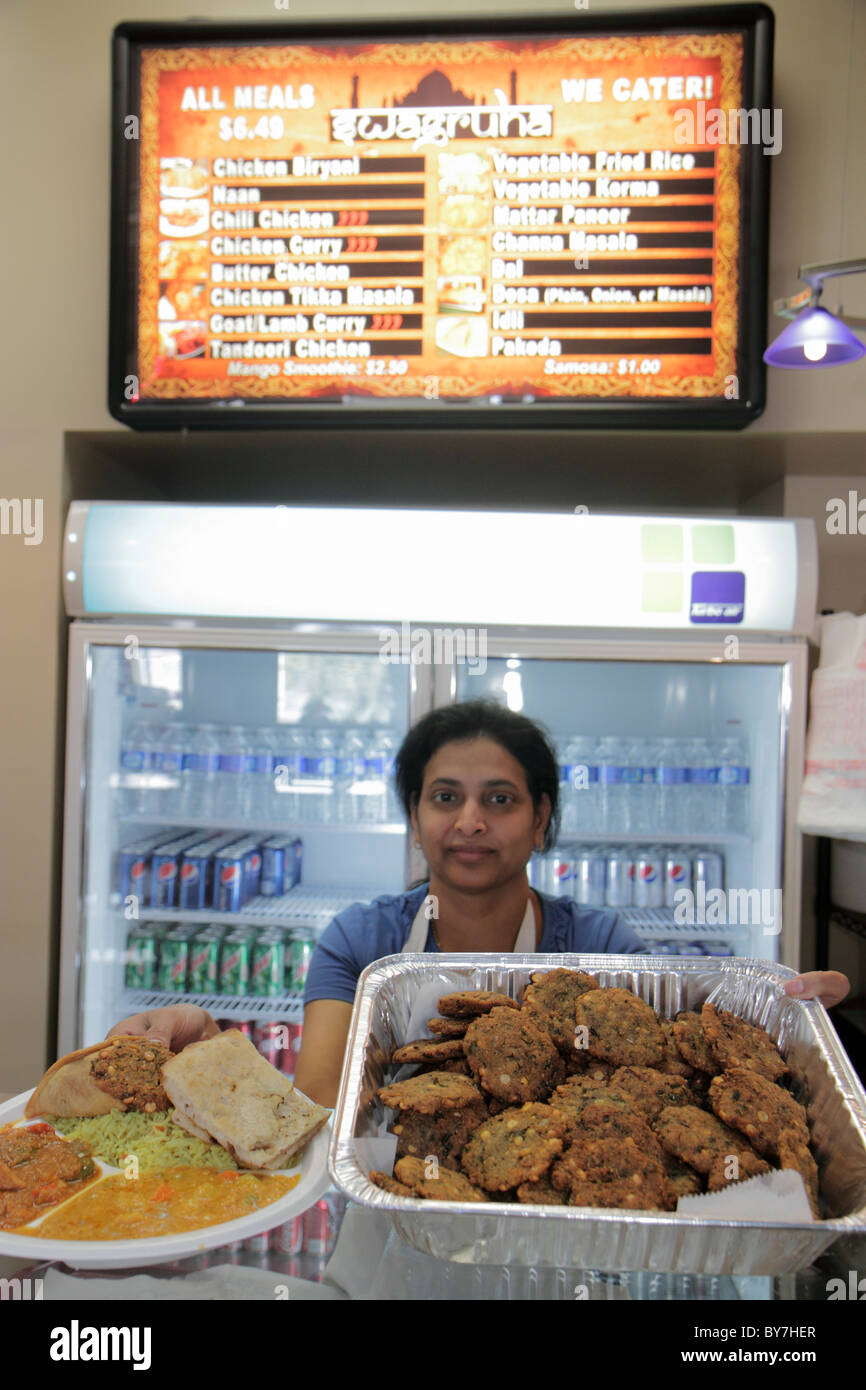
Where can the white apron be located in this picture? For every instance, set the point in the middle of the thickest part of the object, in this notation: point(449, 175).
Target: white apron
point(417, 938)
point(356, 1267)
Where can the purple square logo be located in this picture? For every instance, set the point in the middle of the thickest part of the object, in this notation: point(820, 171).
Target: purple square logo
point(718, 596)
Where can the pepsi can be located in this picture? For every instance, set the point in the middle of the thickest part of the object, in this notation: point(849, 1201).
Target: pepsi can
point(273, 868)
point(252, 871)
point(589, 878)
point(192, 887)
point(649, 884)
point(709, 869)
point(557, 876)
point(228, 882)
point(133, 875)
point(619, 878)
point(678, 875)
point(164, 871)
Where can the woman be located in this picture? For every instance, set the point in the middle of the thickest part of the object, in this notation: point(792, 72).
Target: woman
point(479, 784)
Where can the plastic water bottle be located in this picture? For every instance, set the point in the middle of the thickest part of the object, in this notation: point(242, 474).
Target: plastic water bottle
point(258, 776)
point(614, 811)
point(348, 773)
point(390, 744)
point(135, 750)
point(701, 780)
point(641, 765)
point(585, 785)
point(374, 796)
point(733, 781)
point(232, 755)
point(198, 777)
point(325, 771)
point(171, 767)
point(672, 787)
point(288, 746)
point(567, 795)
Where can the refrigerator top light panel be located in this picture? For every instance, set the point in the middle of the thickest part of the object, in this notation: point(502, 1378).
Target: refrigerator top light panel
point(347, 565)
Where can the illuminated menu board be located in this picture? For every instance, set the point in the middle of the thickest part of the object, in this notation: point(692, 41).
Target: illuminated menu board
point(423, 221)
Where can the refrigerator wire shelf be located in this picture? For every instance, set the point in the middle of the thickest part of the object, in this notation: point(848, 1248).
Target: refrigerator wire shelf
point(661, 919)
point(287, 1008)
point(308, 906)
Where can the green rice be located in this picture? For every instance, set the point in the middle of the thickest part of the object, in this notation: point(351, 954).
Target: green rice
point(154, 1140)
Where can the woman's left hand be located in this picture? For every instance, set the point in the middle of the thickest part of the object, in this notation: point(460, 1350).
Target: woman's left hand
point(829, 986)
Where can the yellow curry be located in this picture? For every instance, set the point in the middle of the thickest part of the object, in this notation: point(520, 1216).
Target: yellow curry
point(162, 1204)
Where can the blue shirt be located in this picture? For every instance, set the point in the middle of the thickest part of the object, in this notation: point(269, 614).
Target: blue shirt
point(367, 931)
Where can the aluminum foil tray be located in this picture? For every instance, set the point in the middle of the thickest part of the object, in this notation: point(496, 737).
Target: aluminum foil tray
point(399, 992)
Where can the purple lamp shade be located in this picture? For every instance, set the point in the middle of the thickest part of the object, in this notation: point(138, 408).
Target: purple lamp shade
point(814, 339)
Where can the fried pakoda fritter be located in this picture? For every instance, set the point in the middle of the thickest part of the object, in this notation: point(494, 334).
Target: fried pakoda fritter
point(441, 1136)
point(673, 1063)
point(736, 1167)
point(793, 1154)
point(430, 1093)
point(541, 1193)
point(620, 1028)
point(758, 1108)
point(692, 1043)
point(468, 1003)
point(447, 1186)
point(651, 1090)
point(551, 998)
point(517, 1146)
point(388, 1184)
point(680, 1181)
point(735, 1043)
point(607, 1172)
point(427, 1050)
point(512, 1058)
point(448, 1027)
point(702, 1141)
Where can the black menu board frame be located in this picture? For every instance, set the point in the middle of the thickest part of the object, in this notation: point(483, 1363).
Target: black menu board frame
point(732, 409)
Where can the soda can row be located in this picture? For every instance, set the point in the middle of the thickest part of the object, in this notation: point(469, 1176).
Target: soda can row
point(220, 872)
point(314, 1233)
point(248, 961)
point(626, 877)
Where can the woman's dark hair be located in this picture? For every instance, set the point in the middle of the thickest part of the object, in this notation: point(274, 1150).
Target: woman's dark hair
point(519, 736)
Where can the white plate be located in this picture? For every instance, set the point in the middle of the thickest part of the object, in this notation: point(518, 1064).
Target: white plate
point(156, 1250)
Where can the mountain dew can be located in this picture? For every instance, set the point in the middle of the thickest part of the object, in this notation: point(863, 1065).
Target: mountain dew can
point(268, 965)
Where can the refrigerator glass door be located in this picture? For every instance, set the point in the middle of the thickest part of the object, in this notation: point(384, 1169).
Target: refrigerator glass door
point(672, 777)
point(188, 752)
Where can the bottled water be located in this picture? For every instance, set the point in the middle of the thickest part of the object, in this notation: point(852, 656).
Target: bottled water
point(171, 751)
point(199, 772)
point(672, 788)
point(233, 752)
point(349, 773)
point(258, 776)
point(325, 767)
point(614, 790)
point(390, 744)
point(567, 794)
point(372, 799)
point(135, 751)
point(584, 778)
point(288, 748)
point(641, 764)
point(701, 780)
point(733, 782)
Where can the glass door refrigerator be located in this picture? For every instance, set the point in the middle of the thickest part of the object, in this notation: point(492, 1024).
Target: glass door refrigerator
point(239, 678)
point(227, 795)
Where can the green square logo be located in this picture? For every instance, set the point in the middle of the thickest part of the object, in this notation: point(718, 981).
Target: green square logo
point(713, 545)
point(661, 544)
point(662, 591)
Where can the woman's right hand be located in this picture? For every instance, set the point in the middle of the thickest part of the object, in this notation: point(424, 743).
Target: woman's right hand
point(177, 1026)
